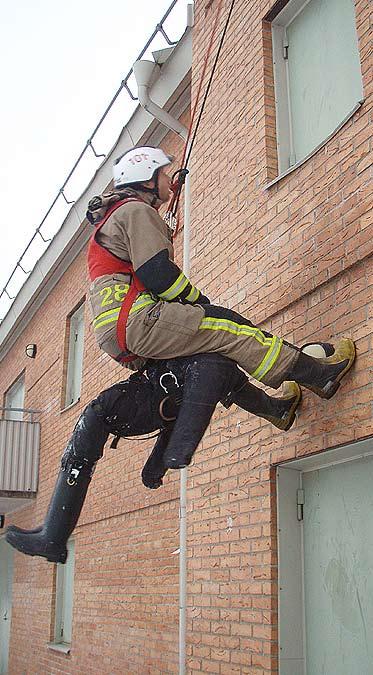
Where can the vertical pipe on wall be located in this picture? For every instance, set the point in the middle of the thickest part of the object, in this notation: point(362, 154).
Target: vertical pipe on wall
point(143, 71)
point(184, 472)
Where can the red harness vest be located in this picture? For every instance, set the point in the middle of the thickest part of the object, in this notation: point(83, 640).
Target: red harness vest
point(100, 262)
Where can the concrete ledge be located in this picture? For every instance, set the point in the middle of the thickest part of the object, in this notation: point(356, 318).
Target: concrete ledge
point(61, 647)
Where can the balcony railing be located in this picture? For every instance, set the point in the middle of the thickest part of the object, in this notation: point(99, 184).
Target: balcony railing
point(19, 459)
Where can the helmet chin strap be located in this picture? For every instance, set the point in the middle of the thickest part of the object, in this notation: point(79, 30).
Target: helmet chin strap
point(153, 191)
point(156, 189)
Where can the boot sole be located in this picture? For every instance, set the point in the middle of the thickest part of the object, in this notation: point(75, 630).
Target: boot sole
point(54, 558)
point(61, 560)
point(332, 386)
point(292, 412)
point(176, 463)
point(152, 485)
point(285, 423)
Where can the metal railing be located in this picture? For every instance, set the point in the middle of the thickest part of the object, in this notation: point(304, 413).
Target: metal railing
point(28, 411)
point(159, 29)
point(19, 453)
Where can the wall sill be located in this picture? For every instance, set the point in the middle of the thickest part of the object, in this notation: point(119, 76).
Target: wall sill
point(71, 405)
point(61, 647)
point(315, 150)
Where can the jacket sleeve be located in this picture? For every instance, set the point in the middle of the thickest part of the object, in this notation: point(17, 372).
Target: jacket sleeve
point(151, 254)
point(161, 276)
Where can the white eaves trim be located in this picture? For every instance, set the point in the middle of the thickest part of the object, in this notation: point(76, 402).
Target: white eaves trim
point(172, 91)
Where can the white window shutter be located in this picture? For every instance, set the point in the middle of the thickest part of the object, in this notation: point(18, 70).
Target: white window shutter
point(317, 73)
point(15, 398)
point(75, 356)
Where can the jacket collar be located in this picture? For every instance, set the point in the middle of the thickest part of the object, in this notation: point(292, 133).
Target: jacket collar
point(99, 205)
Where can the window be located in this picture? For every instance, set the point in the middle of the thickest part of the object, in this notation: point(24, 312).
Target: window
point(64, 599)
point(15, 398)
point(317, 74)
point(6, 581)
point(325, 546)
point(75, 356)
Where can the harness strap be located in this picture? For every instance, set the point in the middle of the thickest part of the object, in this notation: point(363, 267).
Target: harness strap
point(135, 287)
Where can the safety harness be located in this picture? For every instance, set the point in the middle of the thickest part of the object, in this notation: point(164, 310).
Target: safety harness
point(100, 262)
point(168, 396)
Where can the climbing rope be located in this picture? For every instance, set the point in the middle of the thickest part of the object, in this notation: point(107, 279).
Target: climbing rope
point(178, 178)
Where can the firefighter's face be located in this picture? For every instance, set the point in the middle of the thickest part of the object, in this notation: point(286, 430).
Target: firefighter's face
point(164, 185)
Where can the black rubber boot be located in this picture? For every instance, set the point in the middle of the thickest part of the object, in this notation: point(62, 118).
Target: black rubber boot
point(77, 464)
point(14, 528)
point(63, 513)
point(279, 411)
point(323, 376)
point(203, 388)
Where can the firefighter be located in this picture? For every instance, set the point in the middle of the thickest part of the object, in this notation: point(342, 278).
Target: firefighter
point(176, 397)
point(144, 305)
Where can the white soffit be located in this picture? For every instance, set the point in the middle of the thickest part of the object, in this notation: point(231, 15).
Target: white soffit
point(172, 91)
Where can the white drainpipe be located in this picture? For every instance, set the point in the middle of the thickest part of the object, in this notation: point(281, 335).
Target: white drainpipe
point(144, 72)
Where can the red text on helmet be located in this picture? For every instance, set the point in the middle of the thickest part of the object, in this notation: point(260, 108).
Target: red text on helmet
point(138, 158)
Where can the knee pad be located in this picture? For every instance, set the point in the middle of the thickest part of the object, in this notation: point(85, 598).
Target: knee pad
point(87, 440)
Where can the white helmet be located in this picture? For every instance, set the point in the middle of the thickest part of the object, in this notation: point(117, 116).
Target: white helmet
point(138, 165)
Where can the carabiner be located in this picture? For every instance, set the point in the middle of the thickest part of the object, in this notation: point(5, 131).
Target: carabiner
point(173, 377)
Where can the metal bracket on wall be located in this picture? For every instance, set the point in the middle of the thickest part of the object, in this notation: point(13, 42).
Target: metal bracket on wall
point(300, 504)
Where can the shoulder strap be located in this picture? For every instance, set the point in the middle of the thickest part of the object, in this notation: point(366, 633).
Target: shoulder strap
point(113, 208)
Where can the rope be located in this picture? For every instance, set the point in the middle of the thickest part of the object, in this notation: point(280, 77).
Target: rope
point(182, 173)
point(209, 49)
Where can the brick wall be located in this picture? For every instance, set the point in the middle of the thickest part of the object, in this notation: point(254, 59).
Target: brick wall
point(295, 258)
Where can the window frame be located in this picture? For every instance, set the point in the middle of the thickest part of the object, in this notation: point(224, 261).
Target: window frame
point(290, 547)
point(279, 18)
point(64, 602)
point(72, 389)
point(15, 385)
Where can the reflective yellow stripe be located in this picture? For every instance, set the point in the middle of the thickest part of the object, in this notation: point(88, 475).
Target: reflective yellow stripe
point(176, 288)
point(111, 315)
point(269, 359)
point(108, 313)
point(104, 323)
point(209, 323)
point(193, 294)
point(274, 343)
point(139, 305)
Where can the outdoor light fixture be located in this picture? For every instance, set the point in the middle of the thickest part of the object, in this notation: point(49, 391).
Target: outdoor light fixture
point(31, 351)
